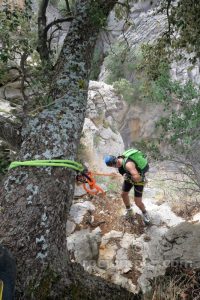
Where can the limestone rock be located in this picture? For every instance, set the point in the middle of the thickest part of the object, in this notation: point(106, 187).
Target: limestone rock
point(100, 137)
point(124, 282)
point(122, 262)
point(78, 210)
point(70, 227)
point(107, 254)
point(113, 234)
point(140, 122)
point(5, 106)
point(79, 191)
point(127, 240)
point(84, 245)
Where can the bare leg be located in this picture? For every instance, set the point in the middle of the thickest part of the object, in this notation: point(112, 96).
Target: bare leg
point(126, 199)
point(140, 204)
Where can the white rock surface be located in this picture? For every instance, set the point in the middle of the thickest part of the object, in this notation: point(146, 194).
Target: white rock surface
point(122, 262)
point(78, 210)
point(100, 136)
point(70, 227)
point(196, 217)
point(84, 245)
point(113, 234)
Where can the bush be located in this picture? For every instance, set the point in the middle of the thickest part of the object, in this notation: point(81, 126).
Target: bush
point(120, 63)
point(125, 88)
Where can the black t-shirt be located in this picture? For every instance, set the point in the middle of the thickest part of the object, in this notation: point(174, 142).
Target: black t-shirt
point(122, 170)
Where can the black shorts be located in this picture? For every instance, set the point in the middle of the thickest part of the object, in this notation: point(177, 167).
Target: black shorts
point(138, 186)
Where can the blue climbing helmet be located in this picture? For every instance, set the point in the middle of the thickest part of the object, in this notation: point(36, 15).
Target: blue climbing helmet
point(110, 160)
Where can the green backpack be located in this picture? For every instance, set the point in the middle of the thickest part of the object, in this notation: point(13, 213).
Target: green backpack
point(137, 156)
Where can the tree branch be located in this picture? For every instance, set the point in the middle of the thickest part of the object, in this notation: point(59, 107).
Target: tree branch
point(52, 35)
point(67, 6)
point(23, 80)
point(68, 19)
point(42, 33)
point(10, 132)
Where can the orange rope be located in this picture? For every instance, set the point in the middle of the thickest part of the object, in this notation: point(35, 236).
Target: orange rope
point(93, 187)
point(106, 174)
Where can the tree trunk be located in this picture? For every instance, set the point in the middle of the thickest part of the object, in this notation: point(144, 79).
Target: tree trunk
point(35, 201)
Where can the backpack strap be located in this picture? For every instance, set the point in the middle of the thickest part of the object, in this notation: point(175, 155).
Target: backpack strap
point(124, 162)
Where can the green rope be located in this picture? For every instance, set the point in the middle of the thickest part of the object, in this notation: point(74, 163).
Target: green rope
point(48, 163)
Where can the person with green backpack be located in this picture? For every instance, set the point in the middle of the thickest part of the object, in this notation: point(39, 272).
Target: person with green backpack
point(132, 165)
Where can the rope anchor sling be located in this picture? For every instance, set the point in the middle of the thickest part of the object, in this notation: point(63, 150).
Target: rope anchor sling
point(89, 179)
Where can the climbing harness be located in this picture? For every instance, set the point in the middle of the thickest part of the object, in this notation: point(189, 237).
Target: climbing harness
point(1, 290)
point(83, 176)
point(136, 183)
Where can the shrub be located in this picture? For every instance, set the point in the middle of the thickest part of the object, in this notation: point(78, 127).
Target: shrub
point(120, 62)
point(125, 88)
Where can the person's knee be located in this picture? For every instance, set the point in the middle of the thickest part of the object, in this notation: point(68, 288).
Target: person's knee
point(138, 200)
point(124, 195)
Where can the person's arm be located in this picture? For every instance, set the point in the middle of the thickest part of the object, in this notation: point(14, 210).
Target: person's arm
point(130, 167)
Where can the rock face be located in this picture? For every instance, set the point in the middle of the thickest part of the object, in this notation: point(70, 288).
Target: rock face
point(105, 114)
point(140, 119)
point(139, 15)
point(148, 26)
point(111, 124)
point(140, 122)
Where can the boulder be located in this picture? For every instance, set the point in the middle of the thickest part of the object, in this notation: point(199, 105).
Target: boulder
point(84, 245)
point(78, 210)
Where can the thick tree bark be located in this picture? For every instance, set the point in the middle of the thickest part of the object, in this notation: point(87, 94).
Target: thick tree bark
point(10, 133)
point(35, 201)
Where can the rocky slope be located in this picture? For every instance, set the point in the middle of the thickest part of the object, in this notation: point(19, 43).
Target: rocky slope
point(131, 254)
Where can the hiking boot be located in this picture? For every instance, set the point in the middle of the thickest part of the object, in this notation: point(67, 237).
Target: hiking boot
point(129, 213)
point(146, 218)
